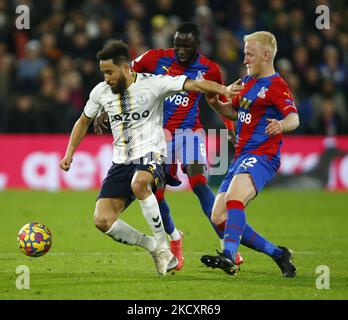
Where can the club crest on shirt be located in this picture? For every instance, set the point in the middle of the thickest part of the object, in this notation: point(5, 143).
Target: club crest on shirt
point(200, 75)
point(141, 100)
point(262, 93)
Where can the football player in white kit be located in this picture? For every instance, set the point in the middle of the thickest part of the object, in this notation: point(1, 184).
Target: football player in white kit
point(134, 104)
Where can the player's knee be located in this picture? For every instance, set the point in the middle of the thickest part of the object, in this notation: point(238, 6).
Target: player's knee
point(102, 221)
point(139, 187)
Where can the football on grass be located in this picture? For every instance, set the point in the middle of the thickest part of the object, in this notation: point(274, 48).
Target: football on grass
point(34, 239)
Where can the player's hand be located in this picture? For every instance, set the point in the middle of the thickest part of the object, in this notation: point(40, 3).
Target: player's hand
point(65, 163)
point(214, 101)
point(100, 122)
point(274, 127)
point(233, 89)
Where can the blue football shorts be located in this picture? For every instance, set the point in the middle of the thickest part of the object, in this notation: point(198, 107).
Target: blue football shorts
point(261, 169)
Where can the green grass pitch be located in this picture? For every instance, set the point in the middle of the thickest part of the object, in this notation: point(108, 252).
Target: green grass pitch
point(85, 264)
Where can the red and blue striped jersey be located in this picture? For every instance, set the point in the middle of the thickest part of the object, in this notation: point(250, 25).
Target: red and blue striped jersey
point(261, 98)
point(181, 111)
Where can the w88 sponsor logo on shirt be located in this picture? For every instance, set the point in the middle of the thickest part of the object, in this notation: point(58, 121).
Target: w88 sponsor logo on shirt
point(178, 99)
point(244, 117)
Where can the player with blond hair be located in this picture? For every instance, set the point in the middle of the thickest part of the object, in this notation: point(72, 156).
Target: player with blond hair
point(265, 109)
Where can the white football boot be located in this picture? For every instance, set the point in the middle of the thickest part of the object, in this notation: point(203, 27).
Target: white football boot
point(164, 260)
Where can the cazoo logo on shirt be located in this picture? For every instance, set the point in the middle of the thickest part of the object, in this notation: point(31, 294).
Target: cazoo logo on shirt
point(127, 117)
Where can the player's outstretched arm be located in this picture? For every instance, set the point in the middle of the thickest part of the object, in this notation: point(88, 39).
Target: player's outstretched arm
point(205, 86)
point(288, 124)
point(77, 134)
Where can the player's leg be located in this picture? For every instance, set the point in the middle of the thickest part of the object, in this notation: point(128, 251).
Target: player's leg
point(114, 196)
point(170, 170)
point(198, 182)
point(106, 219)
point(247, 185)
point(239, 193)
point(141, 187)
point(191, 152)
point(175, 235)
point(149, 171)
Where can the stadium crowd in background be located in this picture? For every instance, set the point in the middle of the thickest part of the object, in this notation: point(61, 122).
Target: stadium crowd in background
point(49, 69)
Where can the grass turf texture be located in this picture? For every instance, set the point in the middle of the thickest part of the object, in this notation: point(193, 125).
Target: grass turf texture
point(85, 264)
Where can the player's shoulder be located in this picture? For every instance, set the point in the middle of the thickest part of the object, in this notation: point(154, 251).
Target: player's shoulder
point(278, 82)
point(202, 59)
point(99, 89)
point(152, 78)
point(158, 53)
point(278, 79)
point(211, 69)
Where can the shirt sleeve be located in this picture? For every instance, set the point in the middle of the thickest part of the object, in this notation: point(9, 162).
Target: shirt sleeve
point(93, 104)
point(167, 85)
point(145, 63)
point(282, 98)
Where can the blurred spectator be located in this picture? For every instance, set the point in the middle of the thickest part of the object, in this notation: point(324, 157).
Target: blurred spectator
point(227, 53)
point(22, 116)
point(300, 60)
point(311, 83)
point(53, 64)
point(283, 36)
point(328, 91)
point(50, 50)
point(30, 66)
point(332, 68)
point(73, 81)
point(270, 11)
point(284, 66)
point(88, 69)
point(314, 47)
point(161, 35)
point(329, 122)
point(6, 71)
point(205, 20)
point(135, 39)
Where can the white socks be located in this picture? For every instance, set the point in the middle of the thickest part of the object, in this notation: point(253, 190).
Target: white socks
point(175, 235)
point(124, 233)
point(152, 214)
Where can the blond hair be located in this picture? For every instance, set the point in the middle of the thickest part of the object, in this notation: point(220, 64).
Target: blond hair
point(264, 37)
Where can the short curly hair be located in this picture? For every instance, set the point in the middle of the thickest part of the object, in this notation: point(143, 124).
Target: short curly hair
point(116, 50)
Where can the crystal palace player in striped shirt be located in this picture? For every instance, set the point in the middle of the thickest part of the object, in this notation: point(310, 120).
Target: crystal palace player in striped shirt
point(265, 109)
point(181, 112)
